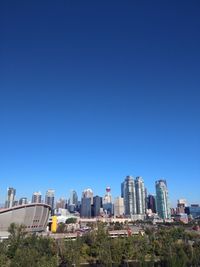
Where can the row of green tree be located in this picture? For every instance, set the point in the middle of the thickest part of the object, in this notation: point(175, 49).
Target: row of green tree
point(165, 247)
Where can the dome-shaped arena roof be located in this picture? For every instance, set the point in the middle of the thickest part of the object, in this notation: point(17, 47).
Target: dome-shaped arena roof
point(33, 216)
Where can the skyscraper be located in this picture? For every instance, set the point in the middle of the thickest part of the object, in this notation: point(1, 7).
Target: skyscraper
point(128, 192)
point(152, 203)
point(107, 198)
point(49, 199)
point(97, 204)
point(36, 197)
point(146, 199)
point(86, 207)
point(107, 202)
point(60, 203)
point(23, 201)
point(10, 197)
point(73, 201)
point(119, 207)
point(140, 195)
point(87, 193)
point(162, 199)
point(181, 205)
point(86, 202)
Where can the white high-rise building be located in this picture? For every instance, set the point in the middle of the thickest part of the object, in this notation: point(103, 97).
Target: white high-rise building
point(129, 195)
point(107, 202)
point(140, 195)
point(10, 197)
point(162, 200)
point(108, 197)
point(119, 207)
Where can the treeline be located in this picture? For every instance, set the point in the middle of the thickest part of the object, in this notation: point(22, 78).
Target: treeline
point(165, 247)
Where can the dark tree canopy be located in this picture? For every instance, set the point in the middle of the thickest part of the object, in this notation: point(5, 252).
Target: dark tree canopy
point(165, 246)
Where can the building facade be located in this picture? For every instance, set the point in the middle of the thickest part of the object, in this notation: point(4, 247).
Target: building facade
point(107, 202)
point(50, 198)
point(128, 192)
point(73, 201)
point(86, 210)
point(119, 207)
point(88, 193)
point(60, 203)
point(181, 205)
point(23, 201)
point(10, 202)
point(37, 197)
point(33, 216)
point(162, 200)
point(97, 205)
point(193, 210)
point(140, 195)
point(152, 203)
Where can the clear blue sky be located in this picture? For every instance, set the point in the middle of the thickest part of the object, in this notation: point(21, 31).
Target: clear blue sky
point(92, 91)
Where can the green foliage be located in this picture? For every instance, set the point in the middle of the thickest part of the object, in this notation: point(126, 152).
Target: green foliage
point(118, 226)
point(61, 228)
point(71, 220)
point(70, 252)
point(172, 246)
point(117, 249)
point(99, 246)
point(17, 235)
point(24, 250)
point(4, 260)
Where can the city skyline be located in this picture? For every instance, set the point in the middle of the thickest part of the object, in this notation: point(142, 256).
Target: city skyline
point(92, 92)
point(97, 189)
point(134, 203)
point(138, 202)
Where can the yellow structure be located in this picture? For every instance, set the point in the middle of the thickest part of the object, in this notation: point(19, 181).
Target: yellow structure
point(54, 224)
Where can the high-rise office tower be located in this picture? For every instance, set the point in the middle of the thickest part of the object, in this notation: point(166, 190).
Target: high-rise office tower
point(122, 189)
point(49, 198)
point(146, 199)
point(86, 207)
point(16, 203)
point(86, 203)
point(193, 210)
point(60, 203)
point(107, 198)
point(97, 205)
point(23, 201)
point(181, 205)
point(107, 201)
point(87, 193)
point(119, 207)
point(140, 195)
point(10, 197)
point(152, 203)
point(128, 192)
point(73, 201)
point(37, 197)
point(162, 199)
